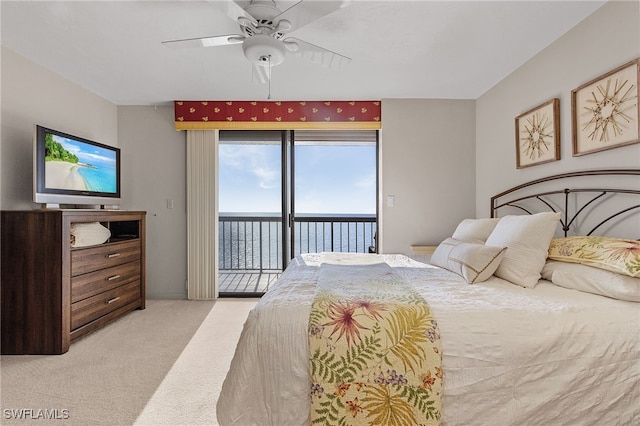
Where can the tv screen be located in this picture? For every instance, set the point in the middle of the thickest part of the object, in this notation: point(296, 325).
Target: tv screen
point(73, 170)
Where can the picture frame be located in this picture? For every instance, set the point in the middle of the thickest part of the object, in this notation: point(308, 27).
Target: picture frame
point(538, 135)
point(605, 111)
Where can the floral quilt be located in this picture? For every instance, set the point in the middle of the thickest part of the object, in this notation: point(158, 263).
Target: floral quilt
point(375, 355)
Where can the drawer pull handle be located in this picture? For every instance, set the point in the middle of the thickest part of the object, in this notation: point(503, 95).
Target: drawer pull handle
point(112, 255)
point(114, 277)
point(115, 299)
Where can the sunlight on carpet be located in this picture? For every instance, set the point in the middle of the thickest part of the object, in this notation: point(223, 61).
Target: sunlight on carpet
point(108, 376)
point(189, 392)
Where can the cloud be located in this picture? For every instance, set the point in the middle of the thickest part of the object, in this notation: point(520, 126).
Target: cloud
point(251, 159)
point(368, 181)
point(268, 177)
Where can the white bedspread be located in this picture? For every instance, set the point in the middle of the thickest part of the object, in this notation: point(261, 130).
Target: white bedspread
point(512, 356)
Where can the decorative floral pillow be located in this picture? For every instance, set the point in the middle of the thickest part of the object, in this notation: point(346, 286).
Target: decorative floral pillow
point(611, 254)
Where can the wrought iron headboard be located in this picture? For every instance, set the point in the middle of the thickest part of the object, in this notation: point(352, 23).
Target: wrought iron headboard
point(582, 208)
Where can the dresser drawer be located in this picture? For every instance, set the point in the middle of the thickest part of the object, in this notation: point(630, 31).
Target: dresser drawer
point(104, 256)
point(94, 307)
point(87, 285)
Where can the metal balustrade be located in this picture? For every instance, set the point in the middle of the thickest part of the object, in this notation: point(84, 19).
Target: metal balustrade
point(352, 234)
point(254, 242)
point(249, 242)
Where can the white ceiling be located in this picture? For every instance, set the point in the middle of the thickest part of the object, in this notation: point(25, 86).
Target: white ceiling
point(399, 49)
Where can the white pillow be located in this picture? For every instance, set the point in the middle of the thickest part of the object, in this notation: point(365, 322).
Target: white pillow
point(474, 262)
point(592, 280)
point(475, 230)
point(88, 234)
point(527, 238)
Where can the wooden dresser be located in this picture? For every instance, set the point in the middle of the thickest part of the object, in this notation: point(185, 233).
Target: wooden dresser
point(53, 293)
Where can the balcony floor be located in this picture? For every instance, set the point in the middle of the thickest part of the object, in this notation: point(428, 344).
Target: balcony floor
point(249, 282)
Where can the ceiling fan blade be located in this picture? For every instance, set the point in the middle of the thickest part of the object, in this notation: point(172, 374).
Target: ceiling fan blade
point(222, 40)
point(235, 12)
point(316, 54)
point(260, 74)
point(305, 12)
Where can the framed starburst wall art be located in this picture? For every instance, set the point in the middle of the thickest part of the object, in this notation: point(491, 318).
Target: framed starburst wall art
point(538, 135)
point(605, 111)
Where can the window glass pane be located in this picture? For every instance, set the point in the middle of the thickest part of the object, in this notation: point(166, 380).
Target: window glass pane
point(335, 178)
point(335, 194)
point(250, 235)
point(249, 174)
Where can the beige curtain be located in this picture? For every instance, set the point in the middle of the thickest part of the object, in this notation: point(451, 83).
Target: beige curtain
point(202, 217)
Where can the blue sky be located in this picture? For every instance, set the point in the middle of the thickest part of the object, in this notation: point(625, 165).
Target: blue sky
point(88, 154)
point(329, 179)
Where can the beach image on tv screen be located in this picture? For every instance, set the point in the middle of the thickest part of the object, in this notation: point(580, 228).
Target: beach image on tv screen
point(79, 166)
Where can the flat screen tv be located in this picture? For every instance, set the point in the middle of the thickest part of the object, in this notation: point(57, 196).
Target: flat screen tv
point(71, 170)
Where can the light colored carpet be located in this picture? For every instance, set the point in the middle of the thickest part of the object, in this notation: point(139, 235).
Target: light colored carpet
point(160, 366)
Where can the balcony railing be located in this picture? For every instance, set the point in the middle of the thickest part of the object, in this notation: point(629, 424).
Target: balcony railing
point(254, 242)
point(249, 242)
point(344, 233)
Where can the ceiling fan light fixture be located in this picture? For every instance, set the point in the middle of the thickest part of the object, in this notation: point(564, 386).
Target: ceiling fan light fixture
point(265, 32)
point(264, 50)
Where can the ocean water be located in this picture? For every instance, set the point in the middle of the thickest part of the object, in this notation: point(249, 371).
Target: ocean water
point(100, 178)
point(258, 244)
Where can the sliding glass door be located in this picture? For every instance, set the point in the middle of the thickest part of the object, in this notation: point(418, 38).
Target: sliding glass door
point(250, 219)
point(283, 193)
point(335, 191)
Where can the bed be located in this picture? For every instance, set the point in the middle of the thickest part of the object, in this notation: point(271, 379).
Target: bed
point(533, 324)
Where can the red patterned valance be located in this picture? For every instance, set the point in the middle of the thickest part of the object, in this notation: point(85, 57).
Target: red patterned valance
point(279, 115)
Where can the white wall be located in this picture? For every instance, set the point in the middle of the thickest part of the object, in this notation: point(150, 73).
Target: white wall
point(153, 157)
point(428, 165)
point(154, 172)
point(33, 95)
point(605, 40)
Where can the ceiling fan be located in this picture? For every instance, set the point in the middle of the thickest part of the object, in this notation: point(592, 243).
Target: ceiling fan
point(264, 33)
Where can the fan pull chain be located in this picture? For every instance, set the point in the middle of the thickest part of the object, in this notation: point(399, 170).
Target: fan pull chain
point(269, 94)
